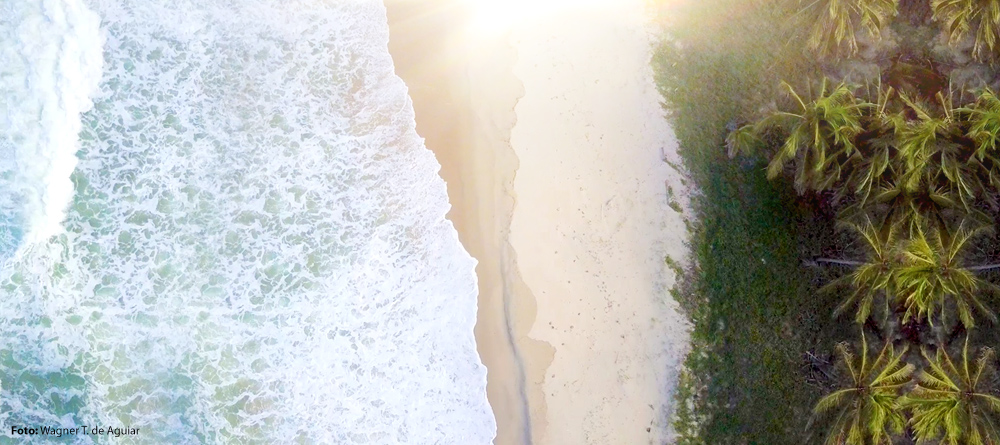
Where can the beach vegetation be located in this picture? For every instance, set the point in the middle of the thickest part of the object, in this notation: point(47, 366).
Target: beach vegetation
point(932, 276)
point(872, 279)
point(871, 202)
point(837, 24)
point(867, 410)
point(979, 19)
point(951, 402)
point(819, 136)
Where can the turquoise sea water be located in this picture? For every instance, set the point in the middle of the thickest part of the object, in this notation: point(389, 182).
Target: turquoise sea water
point(218, 225)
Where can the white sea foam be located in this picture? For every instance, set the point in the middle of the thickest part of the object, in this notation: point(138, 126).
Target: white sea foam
point(50, 63)
point(257, 250)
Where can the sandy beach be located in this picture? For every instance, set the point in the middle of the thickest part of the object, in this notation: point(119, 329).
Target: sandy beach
point(551, 139)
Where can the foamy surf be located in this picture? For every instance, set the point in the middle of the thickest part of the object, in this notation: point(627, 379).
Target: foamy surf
point(50, 64)
point(256, 251)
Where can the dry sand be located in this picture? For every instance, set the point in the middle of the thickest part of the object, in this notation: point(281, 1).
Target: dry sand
point(551, 140)
point(468, 129)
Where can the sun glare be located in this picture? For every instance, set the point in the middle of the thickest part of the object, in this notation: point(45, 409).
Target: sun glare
point(493, 16)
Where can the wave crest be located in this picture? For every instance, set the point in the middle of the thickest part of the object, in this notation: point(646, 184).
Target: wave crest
point(50, 65)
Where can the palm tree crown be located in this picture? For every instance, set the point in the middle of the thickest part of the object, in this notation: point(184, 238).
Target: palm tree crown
point(834, 22)
point(950, 404)
point(875, 276)
point(978, 17)
point(819, 136)
point(867, 409)
point(932, 275)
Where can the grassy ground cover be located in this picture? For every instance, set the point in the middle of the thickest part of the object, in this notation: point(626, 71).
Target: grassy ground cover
point(750, 333)
point(752, 302)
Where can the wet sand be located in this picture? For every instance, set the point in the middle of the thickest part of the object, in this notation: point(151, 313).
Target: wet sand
point(551, 140)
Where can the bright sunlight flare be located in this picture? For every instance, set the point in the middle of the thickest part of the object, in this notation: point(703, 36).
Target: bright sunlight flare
point(492, 16)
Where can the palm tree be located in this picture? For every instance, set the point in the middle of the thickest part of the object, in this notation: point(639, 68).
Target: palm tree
point(983, 118)
point(934, 168)
point(949, 404)
point(878, 148)
point(820, 137)
point(908, 208)
point(932, 275)
point(743, 140)
point(834, 22)
point(978, 17)
point(874, 277)
point(923, 144)
point(867, 409)
point(876, 151)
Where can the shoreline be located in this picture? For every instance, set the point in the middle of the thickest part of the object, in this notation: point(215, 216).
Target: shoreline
point(471, 142)
point(523, 127)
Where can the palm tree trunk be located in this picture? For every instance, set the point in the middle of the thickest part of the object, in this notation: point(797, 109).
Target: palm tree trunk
point(843, 262)
point(984, 267)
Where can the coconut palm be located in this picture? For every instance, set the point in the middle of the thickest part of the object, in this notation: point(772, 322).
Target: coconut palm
point(819, 137)
point(908, 208)
point(923, 143)
point(877, 148)
point(835, 22)
point(872, 164)
point(743, 140)
point(873, 278)
point(981, 18)
point(932, 275)
point(983, 120)
point(867, 408)
point(950, 404)
point(936, 167)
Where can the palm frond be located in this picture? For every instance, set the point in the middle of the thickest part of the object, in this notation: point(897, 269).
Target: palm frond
point(836, 23)
point(869, 407)
point(948, 404)
point(980, 18)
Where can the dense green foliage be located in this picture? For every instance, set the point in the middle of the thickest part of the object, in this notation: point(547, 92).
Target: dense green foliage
point(910, 180)
point(949, 401)
point(980, 18)
point(837, 23)
point(743, 379)
point(867, 410)
point(753, 343)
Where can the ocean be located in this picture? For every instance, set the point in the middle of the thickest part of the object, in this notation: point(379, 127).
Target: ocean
point(219, 225)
